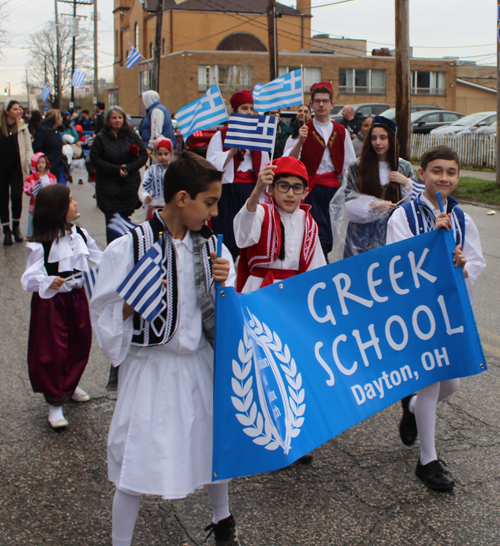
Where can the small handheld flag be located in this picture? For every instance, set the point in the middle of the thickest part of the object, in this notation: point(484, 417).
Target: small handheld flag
point(251, 132)
point(120, 225)
point(46, 91)
point(36, 188)
point(78, 77)
point(282, 92)
point(202, 113)
point(90, 278)
point(133, 58)
point(142, 289)
point(440, 201)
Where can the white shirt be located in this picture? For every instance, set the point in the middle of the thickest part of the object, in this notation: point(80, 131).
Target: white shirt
point(217, 156)
point(247, 231)
point(70, 252)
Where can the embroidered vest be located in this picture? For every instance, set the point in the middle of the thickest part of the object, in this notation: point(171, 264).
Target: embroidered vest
point(266, 251)
point(422, 220)
point(162, 329)
point(314, 148)
point(51, 267)
point(256, 156)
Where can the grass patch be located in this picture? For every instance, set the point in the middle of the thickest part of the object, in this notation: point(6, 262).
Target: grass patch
point(479, 190)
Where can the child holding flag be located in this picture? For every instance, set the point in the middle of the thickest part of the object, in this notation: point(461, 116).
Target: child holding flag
point(160, 439)
point(440, 171)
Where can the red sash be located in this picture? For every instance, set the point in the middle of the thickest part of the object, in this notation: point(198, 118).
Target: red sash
point(269, 275)
point(266, 251)
point(330, 180)
point(314, 148)
point(247, 177)
point(256, 159)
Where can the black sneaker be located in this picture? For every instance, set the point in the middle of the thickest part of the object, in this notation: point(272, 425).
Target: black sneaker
point(225, 532)
point(408, 425)
point(435, 476)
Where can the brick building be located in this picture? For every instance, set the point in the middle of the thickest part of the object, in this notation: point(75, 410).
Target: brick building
point(218, 40)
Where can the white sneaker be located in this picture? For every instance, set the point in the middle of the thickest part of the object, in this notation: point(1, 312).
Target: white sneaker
point(60, 423)
point(56, 417)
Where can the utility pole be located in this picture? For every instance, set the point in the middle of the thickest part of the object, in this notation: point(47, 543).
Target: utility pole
point(498, 91)
point(403, 99)
point(155, 80)
point(28, 91)
point(273, 45)
point(96, 83)
point(58, 54)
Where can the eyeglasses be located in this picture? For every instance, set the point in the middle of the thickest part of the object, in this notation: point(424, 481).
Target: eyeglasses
point(321, 101)
point(284, 187)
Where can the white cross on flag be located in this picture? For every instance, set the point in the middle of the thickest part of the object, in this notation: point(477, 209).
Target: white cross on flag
point(251, 132)
point(282, 92)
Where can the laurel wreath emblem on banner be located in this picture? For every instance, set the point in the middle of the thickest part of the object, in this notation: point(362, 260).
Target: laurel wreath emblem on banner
point(258, 423)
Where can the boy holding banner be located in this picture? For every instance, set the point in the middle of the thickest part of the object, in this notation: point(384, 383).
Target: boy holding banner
point(440, 171)
point(160, 438)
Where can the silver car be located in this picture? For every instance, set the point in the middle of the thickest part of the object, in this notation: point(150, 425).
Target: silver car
point(467, 124)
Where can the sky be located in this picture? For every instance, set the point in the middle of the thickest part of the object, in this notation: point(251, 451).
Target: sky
point(458, 28)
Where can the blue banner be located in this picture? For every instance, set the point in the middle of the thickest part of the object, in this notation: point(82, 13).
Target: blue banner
point(300, 361)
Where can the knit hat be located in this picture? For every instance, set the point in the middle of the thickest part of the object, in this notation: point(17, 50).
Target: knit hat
point(163, 142)
point(34, 161)
point(79, 129)
point(328, 85)
point(291, 166)
point(385, 123)
point(241, 97)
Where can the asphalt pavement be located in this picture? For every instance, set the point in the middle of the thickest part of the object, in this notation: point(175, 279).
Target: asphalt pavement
point(360, 489)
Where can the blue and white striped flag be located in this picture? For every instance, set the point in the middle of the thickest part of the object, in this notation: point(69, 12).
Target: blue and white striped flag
point(142, 289)
point(36, 188)
point(90, 278)
point(120, 225)
point(280, 93)
point(133, 58)
point(205, 112)
point(78, 77)
point(46, 91)
point(251, 132)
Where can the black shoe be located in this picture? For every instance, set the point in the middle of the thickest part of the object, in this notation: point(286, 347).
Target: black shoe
point(7, 238)
point(18, 236)
point(225, 532)
point(80, 182)
point(435, 476)
point(408, 424)
point(305, 459)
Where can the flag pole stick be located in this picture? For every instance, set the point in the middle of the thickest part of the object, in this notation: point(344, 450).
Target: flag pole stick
point(302, 78)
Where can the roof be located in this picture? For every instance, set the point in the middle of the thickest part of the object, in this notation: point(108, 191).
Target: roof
point(237, 6)
point(465, 82)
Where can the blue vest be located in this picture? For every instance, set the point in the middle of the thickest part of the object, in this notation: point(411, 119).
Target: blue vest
point(167, 129)
point(421, 219)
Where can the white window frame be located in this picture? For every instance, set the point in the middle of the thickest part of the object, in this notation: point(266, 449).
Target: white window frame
point(369, 89)
point(437, 83)
point(310, 74)
point(210, 74)
point(142, 75)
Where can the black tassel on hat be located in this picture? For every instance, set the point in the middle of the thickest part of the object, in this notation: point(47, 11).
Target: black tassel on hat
point(282, 248)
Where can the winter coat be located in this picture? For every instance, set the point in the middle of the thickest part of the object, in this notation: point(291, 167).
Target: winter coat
point(115, 193)
point(25, 149)
point(49, 141)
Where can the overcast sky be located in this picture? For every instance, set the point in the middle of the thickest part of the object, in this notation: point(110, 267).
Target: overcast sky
point(463, 28)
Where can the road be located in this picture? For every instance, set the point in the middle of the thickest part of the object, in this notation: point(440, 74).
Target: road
point(359, 491)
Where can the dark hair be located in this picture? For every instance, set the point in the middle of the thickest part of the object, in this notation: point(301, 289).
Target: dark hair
point(85, 111)
point(369, 179)
point(34, 122)
point(439, 152)
point(107, 124)
point(321, 89)
point(49, 216)
point(3, 117)
point(191, 173)
point(101, 105)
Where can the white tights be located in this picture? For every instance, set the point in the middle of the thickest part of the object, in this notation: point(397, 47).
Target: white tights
point(126, 508)
point(424, 407)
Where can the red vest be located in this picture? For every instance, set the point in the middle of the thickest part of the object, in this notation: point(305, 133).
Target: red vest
point(256, 156)
point(266, 251)
point(314, 148)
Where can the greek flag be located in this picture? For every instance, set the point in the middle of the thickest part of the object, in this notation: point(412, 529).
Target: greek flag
point(78, 77)
point(120, 225)
point(90, 278)
point(205, 112)
point(251, 132)
point(46, 91)
point(142, 288)
point(133, 58)
point(280, 93)
point(36, 188)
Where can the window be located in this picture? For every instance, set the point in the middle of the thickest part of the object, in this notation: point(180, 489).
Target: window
point(451, 117)
point(230, 78)
point(163, 46)
point(310, 74)
point(362, 80)
point(425, 82)
point(136, 36)
point(113, 99)
point(145, 80)
point(150, 50)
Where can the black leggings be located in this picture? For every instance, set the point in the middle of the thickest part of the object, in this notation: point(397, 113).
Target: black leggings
point(11, 188)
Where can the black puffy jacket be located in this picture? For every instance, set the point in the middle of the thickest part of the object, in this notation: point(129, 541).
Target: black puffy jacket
point(115, 193)
point(48, 141)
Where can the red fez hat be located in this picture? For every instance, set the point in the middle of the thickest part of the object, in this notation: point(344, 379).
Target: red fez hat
point(163, 143)
point(290, 165)
point(241, 97)
point(328, 85)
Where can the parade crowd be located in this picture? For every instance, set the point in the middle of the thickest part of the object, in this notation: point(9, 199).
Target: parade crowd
point(331, 191)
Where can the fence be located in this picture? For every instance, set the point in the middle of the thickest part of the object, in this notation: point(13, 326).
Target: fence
point(473, 150)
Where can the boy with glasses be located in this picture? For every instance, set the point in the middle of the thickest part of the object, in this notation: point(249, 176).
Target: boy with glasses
point(326, 150)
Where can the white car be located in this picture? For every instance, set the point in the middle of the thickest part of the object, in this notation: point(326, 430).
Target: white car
point(467, 124)
point(487, 129)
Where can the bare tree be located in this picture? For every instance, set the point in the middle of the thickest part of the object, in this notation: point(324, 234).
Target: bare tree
point(43, 47)
point(4, 16)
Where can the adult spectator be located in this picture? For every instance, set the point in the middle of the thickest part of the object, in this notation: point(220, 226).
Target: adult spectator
point(358, 142)
point(85, 121)
point(292, 130)
point(350, 120)
point(15, 157)
point(67, 127)
point(49, 141)
point(100, 114)
point(157, 120)
point(117, 154)
point(34, 122)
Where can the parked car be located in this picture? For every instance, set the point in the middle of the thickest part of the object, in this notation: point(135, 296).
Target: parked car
point(391, 112)
point(487, 129)
point(364, 109)
point(423, 122)
point(479, 119)
point(483, 125)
